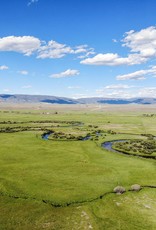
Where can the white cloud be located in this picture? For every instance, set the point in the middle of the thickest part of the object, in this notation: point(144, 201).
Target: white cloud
point(86, 54)
point(81, 49)
point(4, 67)
point(114, 40)
point(147, 92)
point(119, 86)
point(79, 95)
point(31, 2)
point(142, 45)
point(26, 87)
point(23, 72)
point(74, 87)
point(26, 44)
point(84, 50)
point(138, 75)
point(131, 92)
point(29, 45)
point(116, 91)
point(54, 50)
point(111, 59)
point(67, 73)
point(100, 59)
point(119, 94)
point(7, 90)
point(143, 41)
point(126, 92)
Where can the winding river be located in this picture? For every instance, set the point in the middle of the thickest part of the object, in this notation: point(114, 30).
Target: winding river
point(108, 145)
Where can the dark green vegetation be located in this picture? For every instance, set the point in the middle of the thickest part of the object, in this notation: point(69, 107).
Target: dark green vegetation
point(145, 148)
point(67, 183)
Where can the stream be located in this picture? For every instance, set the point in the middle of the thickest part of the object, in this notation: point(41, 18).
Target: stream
point(106, 145)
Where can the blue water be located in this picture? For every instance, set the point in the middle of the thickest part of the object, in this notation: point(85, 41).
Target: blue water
point(46, 135)
point(108, 145)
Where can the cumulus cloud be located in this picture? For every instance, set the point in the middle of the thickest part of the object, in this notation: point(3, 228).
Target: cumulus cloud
point(23, 72)
point(100, 59)
point(29, 45)
point(67, 73)
point(54, 50)
point(26, 44)
point(138, 75)
point(143, 41)
point(113, 59)
point(142, 45)
point(4, 67)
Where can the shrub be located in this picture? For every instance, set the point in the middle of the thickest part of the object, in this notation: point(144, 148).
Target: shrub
point(119, 190)
point(135, 187)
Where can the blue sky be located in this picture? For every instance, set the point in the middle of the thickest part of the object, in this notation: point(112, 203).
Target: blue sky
point(78, 48)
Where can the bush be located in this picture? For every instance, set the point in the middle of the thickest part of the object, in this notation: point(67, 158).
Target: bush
point(119, 190)
point(135, 187)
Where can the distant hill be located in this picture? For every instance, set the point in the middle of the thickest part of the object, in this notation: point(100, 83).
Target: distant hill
point(20, 98)
point(101, 100)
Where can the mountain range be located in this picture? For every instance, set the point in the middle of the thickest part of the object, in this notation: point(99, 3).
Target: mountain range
point(20, 98)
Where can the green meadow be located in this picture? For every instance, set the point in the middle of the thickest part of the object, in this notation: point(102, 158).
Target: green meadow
point(67, 182)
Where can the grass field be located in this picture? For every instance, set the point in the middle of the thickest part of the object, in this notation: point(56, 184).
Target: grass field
point(68, 184)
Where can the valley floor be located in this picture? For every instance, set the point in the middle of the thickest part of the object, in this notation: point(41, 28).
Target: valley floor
point(67, 183)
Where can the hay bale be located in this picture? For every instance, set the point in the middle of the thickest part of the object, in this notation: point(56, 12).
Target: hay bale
point(119, 190)
point(135, 187)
